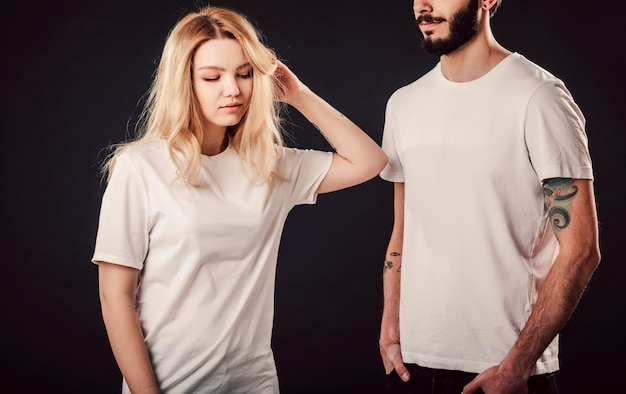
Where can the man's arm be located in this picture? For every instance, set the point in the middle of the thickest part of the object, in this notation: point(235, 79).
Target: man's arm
point(390, 325)
point(571, 207)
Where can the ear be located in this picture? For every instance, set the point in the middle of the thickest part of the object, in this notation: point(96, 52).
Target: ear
point(487, 4)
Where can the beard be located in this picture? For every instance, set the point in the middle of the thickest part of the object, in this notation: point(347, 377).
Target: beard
point(463, 27)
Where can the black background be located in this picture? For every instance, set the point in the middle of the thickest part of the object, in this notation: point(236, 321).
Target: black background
point(73, 74)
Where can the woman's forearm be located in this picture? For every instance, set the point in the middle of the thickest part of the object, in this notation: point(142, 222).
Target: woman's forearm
point(127, 343)
point(360, 157)
point(117, 285)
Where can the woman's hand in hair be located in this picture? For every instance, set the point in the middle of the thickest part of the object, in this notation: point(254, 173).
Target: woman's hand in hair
point(288, 87)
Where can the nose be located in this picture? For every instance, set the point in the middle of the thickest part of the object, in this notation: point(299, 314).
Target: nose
point(231, 87)
point(421, 7)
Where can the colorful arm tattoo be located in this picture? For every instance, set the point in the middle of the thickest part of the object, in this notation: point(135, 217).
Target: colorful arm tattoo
point(559, 193)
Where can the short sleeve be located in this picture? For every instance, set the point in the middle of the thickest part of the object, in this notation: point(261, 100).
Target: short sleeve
point(393, 171)
point(304, 170)
point(555, 134)
point(123, 227)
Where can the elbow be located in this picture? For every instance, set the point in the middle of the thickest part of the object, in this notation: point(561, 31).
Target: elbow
point(106, 306)
point(372, 166)
point(106, 298)
point(113, 305)
point(589, 258)
point(383, 161)
point(107, 302)
point(379, 162)
point(590, 263)
point(111, 299)
point(584, 258)
point(594, 257)
point(376, 164)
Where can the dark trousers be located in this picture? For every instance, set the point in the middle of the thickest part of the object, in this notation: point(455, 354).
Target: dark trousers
point(439, 381)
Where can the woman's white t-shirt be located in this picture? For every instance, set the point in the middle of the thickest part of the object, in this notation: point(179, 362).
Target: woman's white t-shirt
point(207, 256)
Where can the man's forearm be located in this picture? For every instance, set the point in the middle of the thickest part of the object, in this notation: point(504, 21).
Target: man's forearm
point(570, 204)
point(391, 287)
point(555, 304)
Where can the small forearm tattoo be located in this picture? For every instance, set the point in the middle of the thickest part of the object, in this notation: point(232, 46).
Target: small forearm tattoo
point(559, 193)
point(389, 264)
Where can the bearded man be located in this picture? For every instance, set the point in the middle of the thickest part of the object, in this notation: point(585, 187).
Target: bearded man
point(495, 232)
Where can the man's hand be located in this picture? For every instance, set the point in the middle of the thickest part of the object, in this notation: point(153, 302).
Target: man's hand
point(495, 381)
point(392, 358)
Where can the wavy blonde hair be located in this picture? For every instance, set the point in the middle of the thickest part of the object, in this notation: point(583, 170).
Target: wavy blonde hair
point(172, 112)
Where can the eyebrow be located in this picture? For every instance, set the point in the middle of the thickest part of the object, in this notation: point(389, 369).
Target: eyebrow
point(221, 68)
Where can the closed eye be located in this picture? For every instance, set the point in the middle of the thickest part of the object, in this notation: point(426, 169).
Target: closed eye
point(246, 75)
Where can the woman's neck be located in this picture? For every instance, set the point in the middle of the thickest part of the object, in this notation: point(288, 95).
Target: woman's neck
point(214, 143)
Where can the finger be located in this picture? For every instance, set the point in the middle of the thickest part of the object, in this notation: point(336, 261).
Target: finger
point(398, 364)
point(388, 367)
point(471, 387)
point(403, 372)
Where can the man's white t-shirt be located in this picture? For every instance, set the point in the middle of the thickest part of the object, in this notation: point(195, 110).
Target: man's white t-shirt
point(477, 240)
point(207, 257)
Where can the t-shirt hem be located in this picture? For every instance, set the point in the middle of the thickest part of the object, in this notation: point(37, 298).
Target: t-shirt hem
point(313, 198)
point(540, 368)
point(392, 176)
point(567, 172)
point(109, 258)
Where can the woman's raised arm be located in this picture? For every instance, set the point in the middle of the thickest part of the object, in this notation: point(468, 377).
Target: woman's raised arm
point(358, 157)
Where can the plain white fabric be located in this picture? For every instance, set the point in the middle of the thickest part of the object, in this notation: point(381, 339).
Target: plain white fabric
point(477, 245)
point(207, 257)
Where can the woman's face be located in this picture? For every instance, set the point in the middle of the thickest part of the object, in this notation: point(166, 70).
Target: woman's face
point(222, 81)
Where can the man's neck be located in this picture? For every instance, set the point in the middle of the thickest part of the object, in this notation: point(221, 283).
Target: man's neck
point(474, 59)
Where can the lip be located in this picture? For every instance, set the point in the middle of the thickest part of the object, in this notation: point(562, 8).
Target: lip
point(428, 28)
point(428, 25)
point(428, 22)
point(231, 107)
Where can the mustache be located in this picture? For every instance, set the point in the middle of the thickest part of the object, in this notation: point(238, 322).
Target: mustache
point(428, 18)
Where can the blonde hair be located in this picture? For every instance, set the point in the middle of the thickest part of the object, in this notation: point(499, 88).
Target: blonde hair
point(172, 113)
point(492, 10)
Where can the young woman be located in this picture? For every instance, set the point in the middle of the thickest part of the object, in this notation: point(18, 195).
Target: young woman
point(193, 211)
